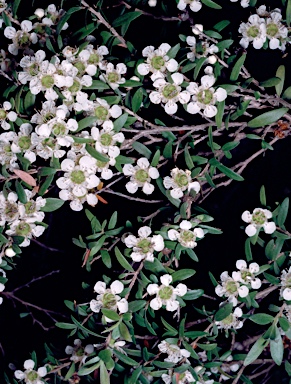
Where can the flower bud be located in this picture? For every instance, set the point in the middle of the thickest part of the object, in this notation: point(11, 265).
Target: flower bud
point(197, 29)
point(9, 252)
point(39, 12)
point(212, 59)
point(152, 3)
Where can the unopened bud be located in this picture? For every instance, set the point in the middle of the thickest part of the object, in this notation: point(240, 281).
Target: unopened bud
point(9, 252)
point(212, 59)
point(39, 12)
point(197, 29)
point(152, 3)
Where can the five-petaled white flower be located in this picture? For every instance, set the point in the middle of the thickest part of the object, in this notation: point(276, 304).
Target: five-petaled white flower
point(106, 140)
point(108, 298)
point(5, 115)
point(205, 96)
point(231, 288)
point(231, 321)
point(157, 62)
point(257, 220)
point(141, 175)
point(180, 181)
point(285, 290)
point(78, 352)
point(30, 376)
point(253, 31)
point(170, 93)
point(247, 275)
point(21, 38)
point(185, 236)
point(166, 294)
point(144, 246)
point(175, 353)
point(114, 76)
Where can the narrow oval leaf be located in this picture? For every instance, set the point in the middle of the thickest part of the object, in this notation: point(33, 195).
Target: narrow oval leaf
point(26, 177)
point(256, 350)
point(237, 67)
point(280, 73)
point(262, 318)
point(183, 274)
point(211, 4)
point(267, 118)
point(52, 204)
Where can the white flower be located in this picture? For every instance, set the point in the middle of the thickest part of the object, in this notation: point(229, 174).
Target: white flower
point(22, 142)
point(246, 275)
point(204, 96)
point(205, 47)
point(140, 176)
point(77, 181)
point(9, 211)
point(54, 16)
point(30, 376)
point(231, 321)
point(243, 3)
point(253, 31)
point(231, 288)
point(180, 181)
point(102, 111)
point(5, 115)
point(276, 32)
point(31, 66)
point(195, 5)
point(25, 228)
point(106, 139)
point(185, 236)
point(113, 76)
point(21, 38)
point(144, 246)
point(157, 62)
point(108, 298)
point(258, 219)
point(285, 290)
point(175, 354)
point(166, 294)
point(3, 5)
point(78, 352)
point(170, 93)
point(9, 252)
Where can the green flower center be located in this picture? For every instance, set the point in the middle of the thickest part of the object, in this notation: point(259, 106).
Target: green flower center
point(181, 180)
point(141, 175)
point(106, 139)
point(48, 116)
point(259, 218)
point(253, 31)
point(32, 376)
point(187, 236)
point(3, 114)
point(205, 96)
point(170, 91)
point(113, 77)
point(231, 287)
point(166, 293)
point(78, 177)
point(80, 66)
point(30, 207)
point(23, 229)
point(101, 164)
point(24, 142)
point(109, 300)
point(228, 320)
point(158, 62)
point(11, 210)
point(47, 81)
point(94, 58)
point(49, 142)
point(33, 69)
point(7, 148)
point(24, 39)
point(80, 352)
point(75, 87)
point(59, 129)
point(272, 29)
point(287, 282)
point(245, 275)
point(144, 245)
point(101, 113)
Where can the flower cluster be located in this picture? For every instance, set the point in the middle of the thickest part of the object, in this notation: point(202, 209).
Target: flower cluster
point(239, 283)
point(264, 27)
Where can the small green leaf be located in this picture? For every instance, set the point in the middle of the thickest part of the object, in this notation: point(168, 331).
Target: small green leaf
point(104, 375)
point(97, 155)
point(277, 348)
point(263, 198)
point(119, 123)
point(142, 149)
point(283, 212)
point(248, 250)
point(199, 64)
point(267, 118)
point(128, 17)
point(183, 274)
point(287, 92)
point(112, 315)
point(281, 75)
point(188, 160)
point(256, 350)
point(273, 81)
point(288, 13)
point(70, 372)
point(105, 256)
point(223, 312)
point(136, 305)
point(98, 84)
point(113, 220)
point(172, 53)
point(20, 192)
point(124, 332)
point(221, 25)
point(125, 359)
point(65, 325)
point(211, 4)
point(122, 260)
point(262, 318)
point(237, 67)
point(52, 204)
point(137, 100)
